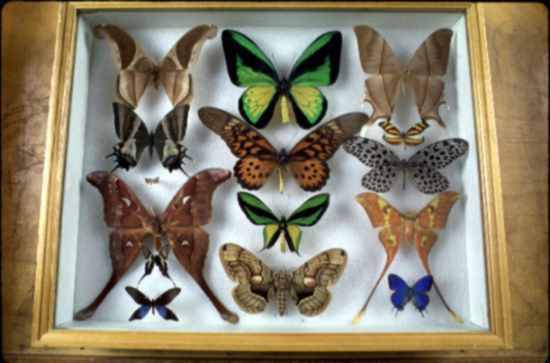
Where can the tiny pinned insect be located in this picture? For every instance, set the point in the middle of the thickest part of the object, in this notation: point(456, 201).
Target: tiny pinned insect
point(151, 181)
point(158, 304)
point(158, 260)
point(418, 294)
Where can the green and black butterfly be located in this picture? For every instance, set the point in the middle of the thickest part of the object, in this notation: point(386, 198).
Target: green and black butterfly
point(248, 66)
point(286, 230)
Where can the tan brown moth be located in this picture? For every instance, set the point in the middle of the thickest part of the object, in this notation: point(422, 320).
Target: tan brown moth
point(258, 284)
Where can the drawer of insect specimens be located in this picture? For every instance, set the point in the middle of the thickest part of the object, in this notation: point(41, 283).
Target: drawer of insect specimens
point(272, 172)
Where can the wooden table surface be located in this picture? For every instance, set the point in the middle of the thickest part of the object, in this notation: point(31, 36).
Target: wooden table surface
point(518, 48)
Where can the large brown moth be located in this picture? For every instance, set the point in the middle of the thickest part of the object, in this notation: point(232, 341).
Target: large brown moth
point(257, 283)
point(422, 75)
point(180, 225)
point(137, 70)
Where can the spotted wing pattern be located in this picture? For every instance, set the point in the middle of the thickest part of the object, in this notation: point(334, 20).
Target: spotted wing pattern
point(383, 161)
point(424, 164)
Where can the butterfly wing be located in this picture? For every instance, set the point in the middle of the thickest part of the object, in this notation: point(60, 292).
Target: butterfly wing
point(311, 211)
point(402, 291)
point(140, 299)
point(420, 293)
point(381, 93)
point(311, 281)
point(383, 161)
point(254, 279)
point(257, 157)
point(190, 209)
point(317, 66)
point(431, 218)
point(159, 304)
point(375, 53)
point(435, 156)
point(130, 223)
point(307, 159)
point(136, 69)
point(382, 214)
point(175, 68)
point(133, 136)
point(168, 136)
point(428, 63)
point(248, 66)
point(259, 214)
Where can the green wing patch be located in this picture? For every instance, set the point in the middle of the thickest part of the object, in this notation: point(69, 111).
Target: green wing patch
point(256, 210)
point(310, 211)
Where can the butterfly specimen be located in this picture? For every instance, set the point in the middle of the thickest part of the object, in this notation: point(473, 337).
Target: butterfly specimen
point(158, 304)
point(134, 138)
point(257, 284)
point(248, 66)
point(418, 294)
point(283, 229)
point(418, 228)
point(422, 166)
point(159, 260)
point(137, 70)
point(307, 160)
point(180, 225)
point(422, 75)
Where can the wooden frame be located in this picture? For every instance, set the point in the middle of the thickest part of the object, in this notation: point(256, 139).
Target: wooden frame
point(44, 333)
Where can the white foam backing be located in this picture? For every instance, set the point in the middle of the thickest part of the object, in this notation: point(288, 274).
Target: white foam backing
point(457, 260)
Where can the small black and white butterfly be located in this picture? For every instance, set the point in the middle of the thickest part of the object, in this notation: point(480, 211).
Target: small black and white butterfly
point(159, 260)
point(422, 166)
point(134, 138)
point(158, 304)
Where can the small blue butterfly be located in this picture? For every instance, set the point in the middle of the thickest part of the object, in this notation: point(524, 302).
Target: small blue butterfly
point(158, 304)
point(403, 293)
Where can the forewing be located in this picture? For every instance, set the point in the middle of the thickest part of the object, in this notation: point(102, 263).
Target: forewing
point(311, 281)
point(138, 296)
point(254, 279)
point(136, 69)
point(434, 215)
point(255, 210)
point(168, 136)
point(401, 291)
point(311, 211)
point(308, 104)
point(375, 53)
point(192, 204)
point(247, 64)
point(381, 93)
point(319, 64)
point(432, 56)
point(175, 67)
point(257, 104)
point(166, 297)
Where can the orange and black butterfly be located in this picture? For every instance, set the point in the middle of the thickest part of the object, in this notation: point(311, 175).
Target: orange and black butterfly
point(307, 160)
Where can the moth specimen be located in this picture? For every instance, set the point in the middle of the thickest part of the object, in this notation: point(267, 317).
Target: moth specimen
point(422, 75)
point(248, 66)
point(257, 284)
point(180, 225)
point(422, 166)
point(137, 70)
point(158, 304)
point(418, 228)
point(159, 260)
point(307, 160)
point(134, 138)
point(285, 230)
point(418, 294)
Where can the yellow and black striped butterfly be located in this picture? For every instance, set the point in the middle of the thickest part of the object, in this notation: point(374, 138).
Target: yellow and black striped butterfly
point(248, 66)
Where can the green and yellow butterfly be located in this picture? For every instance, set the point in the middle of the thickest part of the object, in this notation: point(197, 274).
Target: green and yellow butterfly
point(283, 229)
point(248, 66)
